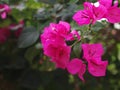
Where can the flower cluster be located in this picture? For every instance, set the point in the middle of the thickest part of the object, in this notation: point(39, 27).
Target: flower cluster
point(92, 55)
point(4, 9)
point(54, 43)
point(55, 36)
point(92, 13)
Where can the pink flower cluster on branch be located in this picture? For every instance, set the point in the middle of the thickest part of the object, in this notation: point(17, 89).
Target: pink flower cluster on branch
point(54, 42)
point(92, 55)
point(92, 13)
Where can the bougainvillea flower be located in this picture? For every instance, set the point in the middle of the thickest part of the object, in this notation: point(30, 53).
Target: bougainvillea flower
point(49, 35)
point(55, 31)
point(82, 17)
point(4, 9)
point(58, 31)
point(58, 52)
point(113, 11)
point(106, 3)
point(113, 15)
point(72, 35)
point(97, 69)
point(90, 14)
point(92, 51)
point(65, 24)
point(4, 34)
point(76, 66)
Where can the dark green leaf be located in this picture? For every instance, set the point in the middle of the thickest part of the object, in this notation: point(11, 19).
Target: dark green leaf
point(28, 37)
point(77, 49)
point(97, 26)
point(31, 53)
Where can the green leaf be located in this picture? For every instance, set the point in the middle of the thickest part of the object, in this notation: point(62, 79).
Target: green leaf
point(77, 50)
point(98, 26)
point(31, 53)
point(118, 48)
point(28, 37)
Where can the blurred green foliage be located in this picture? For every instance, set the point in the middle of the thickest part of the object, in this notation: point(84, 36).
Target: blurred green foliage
point(22, 63)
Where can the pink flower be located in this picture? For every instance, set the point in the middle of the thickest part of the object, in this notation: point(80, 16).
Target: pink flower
point(49, 35)
point(90, 14)
point(72, 35)
point(54, 45)
point(59, 31)
point(97, 69)
point(76, 66)
point(92, 54)
point(113, 12)
point(92, 51)
point(82, 17)
point(4, 34)
point(55, 31)
point(4, 9)
point(58, 52)
point(62, 29)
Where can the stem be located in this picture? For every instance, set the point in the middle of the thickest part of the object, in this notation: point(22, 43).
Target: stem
point(89, 27)
point(75, 43)
point(76, 84)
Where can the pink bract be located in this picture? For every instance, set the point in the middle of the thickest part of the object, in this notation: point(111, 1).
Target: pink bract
point(58, 52)
point(90, 14)
point(97, 69)
point(92, 51)
point(76, 66)
point(113, 11)
point(82, 17)
point(113, 15)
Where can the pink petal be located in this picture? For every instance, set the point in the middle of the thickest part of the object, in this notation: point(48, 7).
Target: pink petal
point(82, 17)
point(97, 70)
point(88, 6)
point(62, 57)
point(92, 51)
point(113, 15)
point(72, 35)
point(82, 71)
point(3, 15)
point(106, 3)
point(74, 66)
point(99, 11)
point(85, 48)
point(76, 34)
point(67, 25)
